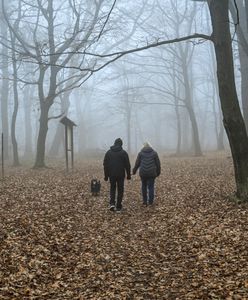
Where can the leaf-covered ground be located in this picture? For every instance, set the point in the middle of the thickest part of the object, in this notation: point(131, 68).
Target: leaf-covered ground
point(59, 242)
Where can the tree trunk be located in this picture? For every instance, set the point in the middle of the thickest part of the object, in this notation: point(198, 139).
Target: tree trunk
point(176, 89)
point(128, 124)
point(41, 142)
point(219, 129)
point(59, 134)
point(188, 100)
point(81, 126)
point(190, 109)
point(233, 120)
point(195, 132)
point(16, 161)
point(27, 104)
point(5, 91)
point(57, 140)
point(179, 130)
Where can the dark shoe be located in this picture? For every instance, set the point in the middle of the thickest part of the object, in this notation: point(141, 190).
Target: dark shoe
point(112, 207)
point(145, 203)
point(150, 203)
point(118, 210)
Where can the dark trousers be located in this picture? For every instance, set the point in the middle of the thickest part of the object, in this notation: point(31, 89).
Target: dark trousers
point(148, 189)
point(119, 183)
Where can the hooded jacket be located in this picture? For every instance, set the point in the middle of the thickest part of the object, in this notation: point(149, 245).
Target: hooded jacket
point(116, 162)
point(148, 163)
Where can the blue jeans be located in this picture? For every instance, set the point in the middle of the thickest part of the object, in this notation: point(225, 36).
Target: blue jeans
point(148, 189)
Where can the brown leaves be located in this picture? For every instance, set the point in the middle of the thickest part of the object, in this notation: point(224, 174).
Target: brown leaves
point(59, 242)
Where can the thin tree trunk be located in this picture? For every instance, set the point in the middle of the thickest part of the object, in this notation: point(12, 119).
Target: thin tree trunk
point(190, 109)
point(81, 127)
point(233, 120)
point(179, 130)
point(188, 100)
point(16, 161)
point(195, 132)
point(27, 121)
point(128, 129)
point(178, 119)
point(218, 119)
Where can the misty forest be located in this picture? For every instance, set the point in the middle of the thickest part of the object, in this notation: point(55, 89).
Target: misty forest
point(87, 86)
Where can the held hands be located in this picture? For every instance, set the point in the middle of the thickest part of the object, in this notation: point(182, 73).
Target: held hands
point(105, 178)
point(128, 177)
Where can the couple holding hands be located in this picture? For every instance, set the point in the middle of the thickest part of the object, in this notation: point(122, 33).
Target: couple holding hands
point(116, 165)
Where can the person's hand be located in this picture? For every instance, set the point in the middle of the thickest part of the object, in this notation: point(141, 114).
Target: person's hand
point(128, 177)
point(106, 178)
point(134, 172)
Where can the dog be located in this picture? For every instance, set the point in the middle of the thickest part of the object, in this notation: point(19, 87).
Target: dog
point(95, 187)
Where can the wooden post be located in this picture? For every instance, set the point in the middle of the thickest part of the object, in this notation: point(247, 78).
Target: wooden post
point(66, 148)
point(2, 158)
point(72, 149)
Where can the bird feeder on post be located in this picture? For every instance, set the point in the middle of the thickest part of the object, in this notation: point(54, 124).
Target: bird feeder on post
point(68, 141)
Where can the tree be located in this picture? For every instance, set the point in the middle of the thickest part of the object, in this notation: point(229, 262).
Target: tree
point(185, 56)
point(50, 53)
point(232, 117)
point(4, 86)
point(27, 106)
point(15, 90)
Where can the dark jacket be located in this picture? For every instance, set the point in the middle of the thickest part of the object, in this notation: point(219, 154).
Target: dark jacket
point(148, 163)
point(116, 163)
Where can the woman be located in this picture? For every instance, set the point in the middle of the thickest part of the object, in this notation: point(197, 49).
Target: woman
point(149, 168)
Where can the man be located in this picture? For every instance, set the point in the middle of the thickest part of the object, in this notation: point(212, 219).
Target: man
point(116, 165)
point(149, 168)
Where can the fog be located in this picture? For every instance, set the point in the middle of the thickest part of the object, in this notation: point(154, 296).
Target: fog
point(61, 52)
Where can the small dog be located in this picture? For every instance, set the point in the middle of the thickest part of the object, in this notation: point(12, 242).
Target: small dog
point(95, 187)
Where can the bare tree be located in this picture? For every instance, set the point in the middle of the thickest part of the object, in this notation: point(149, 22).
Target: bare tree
point(4, 86)
point(16, 161)
point(52, 51)
point(233, 120)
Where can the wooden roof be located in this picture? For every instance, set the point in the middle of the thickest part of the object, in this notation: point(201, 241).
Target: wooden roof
point(66, 121)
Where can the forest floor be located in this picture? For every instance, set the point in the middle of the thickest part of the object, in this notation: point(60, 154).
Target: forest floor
point(59, 242)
